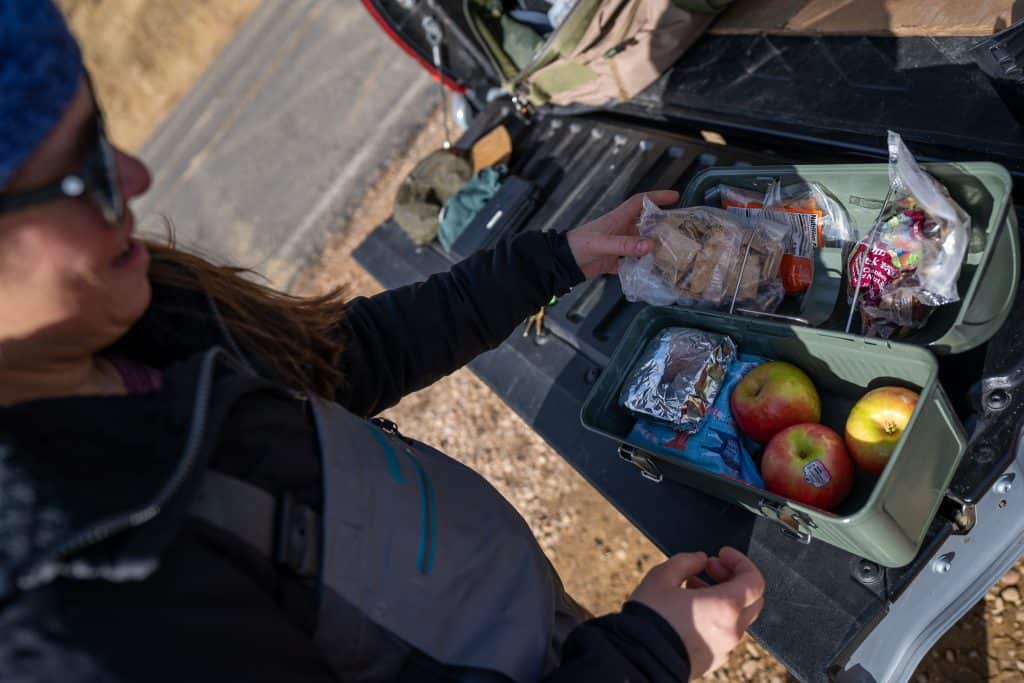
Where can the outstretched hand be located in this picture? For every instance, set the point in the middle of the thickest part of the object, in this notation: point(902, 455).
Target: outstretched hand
point(710, 619)
point(599, 244)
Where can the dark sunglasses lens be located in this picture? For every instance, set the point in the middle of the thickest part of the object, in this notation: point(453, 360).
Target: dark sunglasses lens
point(107, 191)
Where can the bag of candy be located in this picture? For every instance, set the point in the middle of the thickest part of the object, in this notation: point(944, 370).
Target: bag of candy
point(910, 261)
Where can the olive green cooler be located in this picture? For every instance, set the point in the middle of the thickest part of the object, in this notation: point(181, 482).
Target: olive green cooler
point(885, 518)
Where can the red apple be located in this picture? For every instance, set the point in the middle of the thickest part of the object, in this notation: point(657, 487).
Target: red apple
point(808, 463)
point(774, 396)
point(875, 425)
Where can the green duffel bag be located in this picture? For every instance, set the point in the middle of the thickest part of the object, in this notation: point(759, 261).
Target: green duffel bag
point(604, 52)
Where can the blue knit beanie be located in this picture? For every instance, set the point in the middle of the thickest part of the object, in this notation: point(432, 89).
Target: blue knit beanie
point(40, 69)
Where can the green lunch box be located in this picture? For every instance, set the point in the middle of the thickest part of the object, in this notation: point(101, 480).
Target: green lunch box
point(885, 518)
point(988, 279)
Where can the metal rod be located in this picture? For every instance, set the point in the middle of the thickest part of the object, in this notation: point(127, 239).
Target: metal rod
point(870, 241)
point(442, 97)
point(435, 37)
point(778, 316)
point(746, 253)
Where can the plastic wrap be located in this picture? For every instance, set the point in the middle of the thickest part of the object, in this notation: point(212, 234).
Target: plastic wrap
point(703, 257)
point(816, 220)
point(718, 445)
point(678, 376)
point(910, 261)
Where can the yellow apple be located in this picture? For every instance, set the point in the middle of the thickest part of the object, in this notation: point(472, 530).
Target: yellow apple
point(875, 425)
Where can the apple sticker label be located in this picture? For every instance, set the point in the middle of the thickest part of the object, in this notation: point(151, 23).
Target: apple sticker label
point(816, 474)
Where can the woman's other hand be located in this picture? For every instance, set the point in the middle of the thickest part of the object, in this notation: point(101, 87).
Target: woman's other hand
point(710, 619)
point(599, 244)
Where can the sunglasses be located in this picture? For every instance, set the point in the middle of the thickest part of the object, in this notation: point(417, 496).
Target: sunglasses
point(97, 179)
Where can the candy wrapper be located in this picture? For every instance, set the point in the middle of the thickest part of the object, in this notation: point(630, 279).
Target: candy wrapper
point(678, 376)
point(717, 446)
point(704, 257)
point(816, 219)
point(910, 261)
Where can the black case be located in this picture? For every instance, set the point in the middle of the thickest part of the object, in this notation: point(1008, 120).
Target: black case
point(503, 215)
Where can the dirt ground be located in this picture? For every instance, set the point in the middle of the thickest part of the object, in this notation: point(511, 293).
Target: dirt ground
point(144, 55)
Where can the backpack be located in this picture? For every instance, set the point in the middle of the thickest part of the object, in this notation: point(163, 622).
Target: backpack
point(603, 52)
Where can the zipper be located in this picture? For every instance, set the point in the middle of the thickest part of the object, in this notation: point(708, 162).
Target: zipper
point(620, 45)
point(42, 571)
point(539, 55)
point(428, 508)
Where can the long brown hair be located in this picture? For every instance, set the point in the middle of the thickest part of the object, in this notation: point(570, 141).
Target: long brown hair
point(298, 337)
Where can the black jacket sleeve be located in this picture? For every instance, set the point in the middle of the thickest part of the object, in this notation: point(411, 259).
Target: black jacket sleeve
point(405, 339)
point(635, 645)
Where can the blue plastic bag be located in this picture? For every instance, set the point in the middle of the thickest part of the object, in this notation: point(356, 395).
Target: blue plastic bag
point(717, 446)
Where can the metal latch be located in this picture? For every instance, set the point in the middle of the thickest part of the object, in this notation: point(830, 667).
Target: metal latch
point(792, 523)
point(960, 513)
point(641, 461)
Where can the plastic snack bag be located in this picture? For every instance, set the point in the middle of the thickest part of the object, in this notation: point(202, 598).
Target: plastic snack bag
point(678, 376)
point(703, 257)
point(816, 220)
point(717, 446)
point(910, 261)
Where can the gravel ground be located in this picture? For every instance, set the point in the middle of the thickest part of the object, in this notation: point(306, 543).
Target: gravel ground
point(144, 54)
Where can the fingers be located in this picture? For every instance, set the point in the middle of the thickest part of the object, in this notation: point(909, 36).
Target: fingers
point(718, 572)
point(631, 207)
point(735, 561)
point(678, 568)
point(615, 245)
point(662, 197)
point(746, 586)
point(628, 211)
point(749, 614)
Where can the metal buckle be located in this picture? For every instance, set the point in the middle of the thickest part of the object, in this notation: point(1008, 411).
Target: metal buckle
point(641, 461)
point(522, 108)
point(385, 425)
point(298, 537)
point(792, 523)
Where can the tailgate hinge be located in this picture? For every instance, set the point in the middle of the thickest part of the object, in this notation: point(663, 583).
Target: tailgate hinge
point(642, 462)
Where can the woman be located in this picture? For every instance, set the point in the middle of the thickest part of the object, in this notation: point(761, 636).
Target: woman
point(190, 488)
